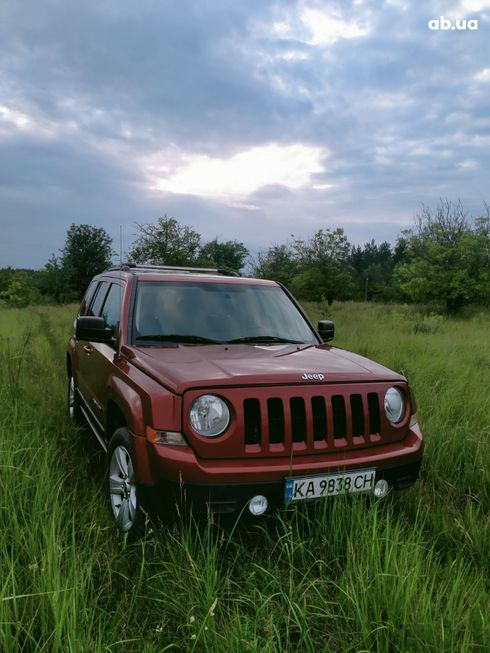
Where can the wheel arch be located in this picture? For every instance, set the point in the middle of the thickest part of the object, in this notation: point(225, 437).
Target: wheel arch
point(115, 418)
point(124, 409)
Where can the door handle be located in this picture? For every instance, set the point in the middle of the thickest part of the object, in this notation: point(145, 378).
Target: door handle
point(88, 349)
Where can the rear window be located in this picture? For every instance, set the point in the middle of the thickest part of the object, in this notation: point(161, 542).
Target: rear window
point(98, 299)
point(112, 306)
point(86, 300)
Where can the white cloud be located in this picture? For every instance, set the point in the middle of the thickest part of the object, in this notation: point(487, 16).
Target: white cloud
point(480, 141)
point(238, 176)
point(321, 26)
point(475, 5)
point(245, 206)
point(327, 26)
point(468, 164)
point(290, 87)
point(14, 119)
point(323, 186)
point(31, 122)
point(402, 5)
point(483, 75)
point(388, 100)
point(293, 55)
point(281, 28)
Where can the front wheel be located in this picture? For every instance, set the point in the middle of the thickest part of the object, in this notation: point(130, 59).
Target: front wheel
point(74, 410)
point(121, 485)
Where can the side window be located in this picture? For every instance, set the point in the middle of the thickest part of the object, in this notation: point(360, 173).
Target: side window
point(112, 305)
point(98, 299)
point(86, 300)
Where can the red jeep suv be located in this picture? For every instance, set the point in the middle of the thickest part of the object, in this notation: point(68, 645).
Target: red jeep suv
point(203, 384)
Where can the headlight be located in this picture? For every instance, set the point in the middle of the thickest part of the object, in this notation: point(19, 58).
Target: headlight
point(394, 405)
point(209, 415)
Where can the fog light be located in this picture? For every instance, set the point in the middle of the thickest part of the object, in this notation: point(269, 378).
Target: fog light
point(258, 505)
point(381, 489)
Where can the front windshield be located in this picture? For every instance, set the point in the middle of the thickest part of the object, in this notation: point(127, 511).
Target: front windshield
point(209, 313)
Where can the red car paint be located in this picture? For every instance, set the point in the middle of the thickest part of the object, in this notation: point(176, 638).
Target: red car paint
point(295, 409)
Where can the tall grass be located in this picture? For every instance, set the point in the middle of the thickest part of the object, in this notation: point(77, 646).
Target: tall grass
point(409, 574)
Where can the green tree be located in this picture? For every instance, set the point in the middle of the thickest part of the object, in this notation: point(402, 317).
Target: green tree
point(324, 271)
point(53, 282)
point(372, 267)
point(87, 252)
point(6, 276)
point(447, 261)
point(230, 255)
point(20, 290)
point(278, 263)
point(166, 242)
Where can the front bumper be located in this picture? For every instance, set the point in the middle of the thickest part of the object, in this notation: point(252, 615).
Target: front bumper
point(227, 485)
point(233, 498)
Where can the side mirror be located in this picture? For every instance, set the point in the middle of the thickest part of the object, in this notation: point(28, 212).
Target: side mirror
point(326, 330)
point(93, 329)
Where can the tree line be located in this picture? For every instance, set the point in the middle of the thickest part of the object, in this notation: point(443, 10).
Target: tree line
point(444, 259)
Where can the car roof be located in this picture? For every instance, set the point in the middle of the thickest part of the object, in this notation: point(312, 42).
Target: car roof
point(155, 273)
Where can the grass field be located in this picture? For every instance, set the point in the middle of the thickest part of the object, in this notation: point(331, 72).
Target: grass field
point(407, 574)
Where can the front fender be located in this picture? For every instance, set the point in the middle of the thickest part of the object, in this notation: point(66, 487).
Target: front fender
point(153, 406)
point(129, 402)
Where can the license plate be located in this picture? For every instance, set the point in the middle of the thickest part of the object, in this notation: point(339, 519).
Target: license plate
point(327, 485)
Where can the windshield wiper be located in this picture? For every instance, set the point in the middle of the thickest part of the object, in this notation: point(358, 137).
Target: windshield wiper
point(263, 339)
point(177, 337)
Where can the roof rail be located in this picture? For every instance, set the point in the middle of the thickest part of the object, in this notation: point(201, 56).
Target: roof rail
point(129, 267)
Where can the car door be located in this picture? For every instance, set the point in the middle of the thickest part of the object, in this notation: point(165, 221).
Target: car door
point(103, 357)
point(85, 350)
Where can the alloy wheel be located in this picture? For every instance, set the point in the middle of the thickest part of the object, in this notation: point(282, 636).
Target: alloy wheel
point(122, 488)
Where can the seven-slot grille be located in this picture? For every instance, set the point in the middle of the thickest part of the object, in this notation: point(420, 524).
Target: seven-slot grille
point(308, 423)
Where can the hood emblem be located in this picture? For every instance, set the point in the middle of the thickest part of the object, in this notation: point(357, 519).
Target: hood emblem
point(313, 377)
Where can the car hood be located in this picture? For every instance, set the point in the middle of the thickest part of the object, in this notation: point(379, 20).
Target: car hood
point(182, 367)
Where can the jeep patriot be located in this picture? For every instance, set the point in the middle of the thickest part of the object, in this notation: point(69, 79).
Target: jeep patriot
point(204, 384)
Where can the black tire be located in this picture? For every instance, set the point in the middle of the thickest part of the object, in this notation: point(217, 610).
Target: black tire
point(73, 402)
point(123, 492)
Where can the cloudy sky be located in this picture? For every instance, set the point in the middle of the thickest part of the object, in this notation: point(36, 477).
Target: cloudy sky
point(247, 119)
